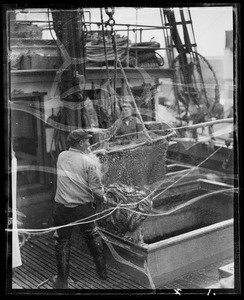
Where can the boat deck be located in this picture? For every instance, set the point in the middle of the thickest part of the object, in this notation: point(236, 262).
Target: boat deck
point(39, 266)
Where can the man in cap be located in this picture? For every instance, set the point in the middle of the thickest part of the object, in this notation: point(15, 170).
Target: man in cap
point(127, 124)
point(79, 188)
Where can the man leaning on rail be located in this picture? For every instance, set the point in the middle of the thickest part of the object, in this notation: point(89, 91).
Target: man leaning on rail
point(127, 124)
point(79, 188)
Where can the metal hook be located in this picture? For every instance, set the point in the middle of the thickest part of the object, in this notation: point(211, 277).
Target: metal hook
point(111, 12)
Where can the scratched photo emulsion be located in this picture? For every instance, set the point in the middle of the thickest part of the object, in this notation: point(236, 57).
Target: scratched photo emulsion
point(121, 142)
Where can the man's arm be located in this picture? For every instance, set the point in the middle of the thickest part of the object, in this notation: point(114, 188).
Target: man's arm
point(100, 151)
point(94, 182)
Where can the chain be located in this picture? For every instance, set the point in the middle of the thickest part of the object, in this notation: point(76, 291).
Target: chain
point(111, 23)
point(110, 13)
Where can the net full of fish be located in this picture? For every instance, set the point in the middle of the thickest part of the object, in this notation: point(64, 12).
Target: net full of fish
point(126, 218)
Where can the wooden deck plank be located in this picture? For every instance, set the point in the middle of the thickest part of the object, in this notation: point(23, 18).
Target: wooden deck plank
point(21, 279)
point(85, 259)
point(35, 262)
point(113, 280)
point(43, 243)
point(86, 252)
point(33, 267)
point(82, 270)
point(18, 280)
point(92, 280)
point(115, 275)
point(36, 258)
point(39, 264)
point(26, 279)
point(41, 258)
point(41, 276)
point(83, 265)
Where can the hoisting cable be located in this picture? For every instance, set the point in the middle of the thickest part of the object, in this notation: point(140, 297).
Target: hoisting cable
point(111, 23)
point(133, 99)
point(104, 43)
point(115, 86)
point(84, 40)
point(106, 58)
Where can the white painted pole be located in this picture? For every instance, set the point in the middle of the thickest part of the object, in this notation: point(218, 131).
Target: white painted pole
point(16, 257)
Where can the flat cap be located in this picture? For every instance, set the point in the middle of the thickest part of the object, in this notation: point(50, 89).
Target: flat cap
point(76, 135)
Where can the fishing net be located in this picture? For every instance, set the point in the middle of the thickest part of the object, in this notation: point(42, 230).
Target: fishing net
point(131, 172)
point(125, 220)
point(141, 165)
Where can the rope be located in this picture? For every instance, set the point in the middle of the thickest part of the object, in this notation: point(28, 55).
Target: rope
point(173, 210)
point(133, 99)
point(53, 228)
point(171, 185)
point(38, 231)
point(104, 43)
point(117, 59)
point(115, 82)
point(193, 126)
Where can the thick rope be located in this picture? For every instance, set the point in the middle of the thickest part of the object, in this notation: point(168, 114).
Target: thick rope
point(129, 89)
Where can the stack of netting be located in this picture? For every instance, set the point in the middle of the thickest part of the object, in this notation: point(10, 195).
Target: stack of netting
point(131, 173)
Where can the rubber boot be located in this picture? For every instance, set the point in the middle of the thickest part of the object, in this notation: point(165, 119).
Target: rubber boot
point(62, 251)
point(95, 246)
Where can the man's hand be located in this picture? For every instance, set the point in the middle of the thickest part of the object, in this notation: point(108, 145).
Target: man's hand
point(100, 151)
point(109, 201)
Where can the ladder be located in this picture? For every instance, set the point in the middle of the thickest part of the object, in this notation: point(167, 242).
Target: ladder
point(180, 40)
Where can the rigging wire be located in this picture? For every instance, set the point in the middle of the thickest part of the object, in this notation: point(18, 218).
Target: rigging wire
point(189, 127)
point(171, 185)
point(130, 92)
point(119, 206)
point(104, 44)
point(111, 23)
point(75, 223)
point(124, 205)
point(48, 15)
point(165, 38)
point(187, 203)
